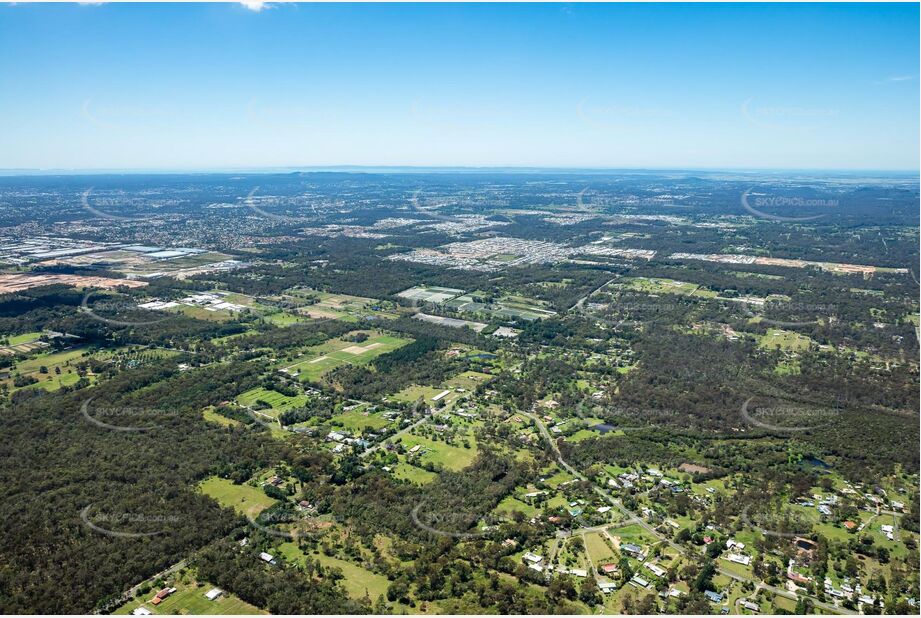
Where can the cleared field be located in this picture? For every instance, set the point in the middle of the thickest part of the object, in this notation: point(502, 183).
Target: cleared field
point(59, 369)
point(447, 455)
point(190, 599)
point(244, 499)
point(582, 434)
point(283, 318)
point(317, 360)
point(632, 533)
point(598, 549)
point(413, 393)
point(788, 341)
point(51, 360)
point(668, 286)
point(516, 307)
point(279, 403)
point(468, 380)
point(413, 474)
point(213, 417)
point(511, 504)
point(23, 338)
point(430, 294)
point(357, 581)
point(450, 322)
point(359, 419)
point(341, 306)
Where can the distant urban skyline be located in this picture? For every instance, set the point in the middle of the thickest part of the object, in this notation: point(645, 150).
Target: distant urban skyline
point(255, 86)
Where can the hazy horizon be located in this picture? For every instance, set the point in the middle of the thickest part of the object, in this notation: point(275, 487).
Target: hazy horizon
point(223, 86)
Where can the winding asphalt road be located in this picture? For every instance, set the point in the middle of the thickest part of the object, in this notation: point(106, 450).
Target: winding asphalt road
point(634, 518)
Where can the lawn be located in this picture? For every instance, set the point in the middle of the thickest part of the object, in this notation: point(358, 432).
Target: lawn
point(582, 434)
point(561, 476)
point(244, 499)
point(633, 533)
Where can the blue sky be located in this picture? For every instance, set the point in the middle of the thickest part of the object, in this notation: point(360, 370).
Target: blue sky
point(668, 85)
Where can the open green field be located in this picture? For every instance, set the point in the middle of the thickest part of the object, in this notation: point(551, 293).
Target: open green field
point(430, 294)
point(356, 580)
point(51, 360)
point(317, 360)
point(468, 380)
point(518, 307)
point(632, 533)
point(447, 455)
point(279, 403)
point(788, 341)
point(244, 499)
point(62, 361)
point(511, 504)
point(23, 338)
point(415, 392)
point(190, 599)
point(583, 434)
point(200, 313)
point(174, 264)
point(283, 318)
point(213, 417)
point(598, 549)
point(560, 476)
point(359, 419)
point(413, 474)
point(342, 307)
point(668, 286)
